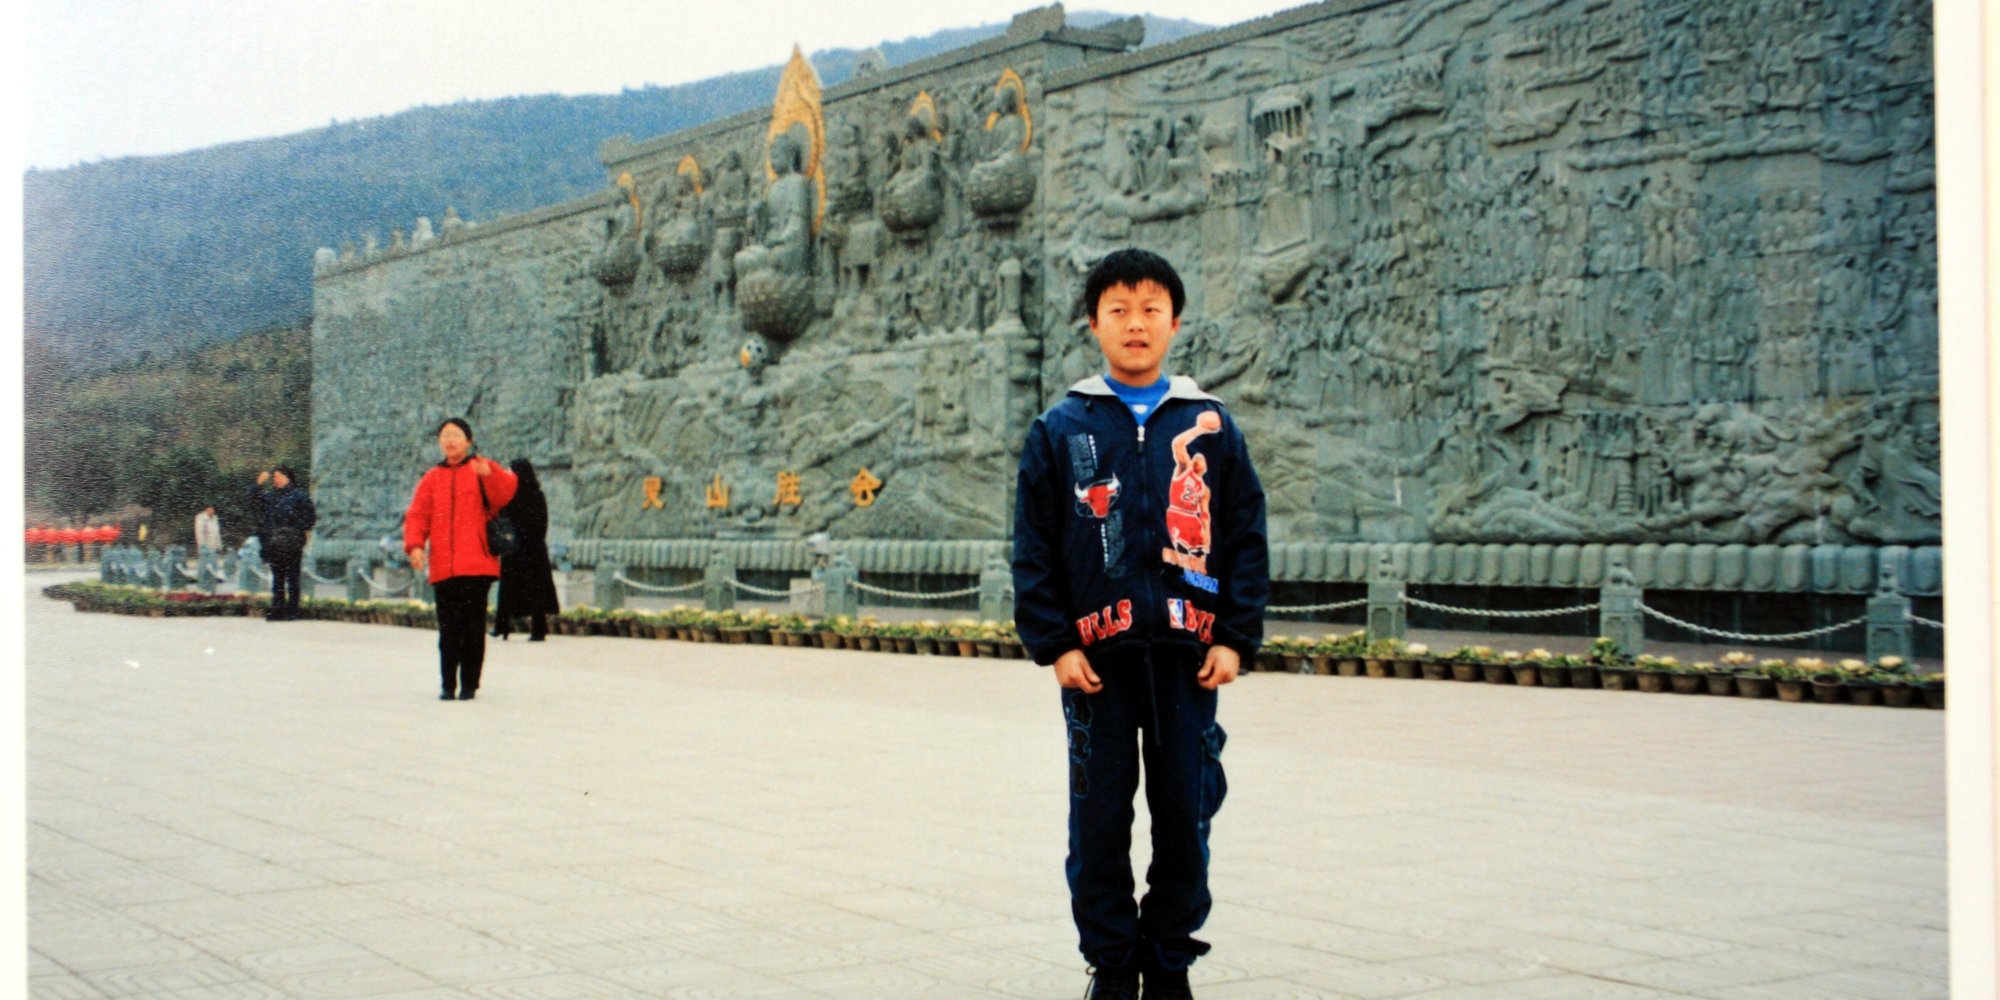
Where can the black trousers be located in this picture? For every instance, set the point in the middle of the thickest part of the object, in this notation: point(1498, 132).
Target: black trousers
point(461, 614)
point(285, 569)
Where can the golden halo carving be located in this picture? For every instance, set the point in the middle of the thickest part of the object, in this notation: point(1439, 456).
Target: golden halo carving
point(925, 102)
point(689, 168)
point(798, 103)
point(1010, 80)
point(632, 195)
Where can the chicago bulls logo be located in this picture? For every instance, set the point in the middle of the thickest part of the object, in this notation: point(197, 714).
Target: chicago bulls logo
point(1097, 499)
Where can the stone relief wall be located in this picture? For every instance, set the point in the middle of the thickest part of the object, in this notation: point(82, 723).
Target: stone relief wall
point(1469, 271)
point(1477, 271)
point(480, 322)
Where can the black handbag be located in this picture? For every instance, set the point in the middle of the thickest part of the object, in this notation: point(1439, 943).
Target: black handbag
point(502, 539)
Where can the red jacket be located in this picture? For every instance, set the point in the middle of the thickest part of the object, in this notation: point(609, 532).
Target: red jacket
point(447, 512)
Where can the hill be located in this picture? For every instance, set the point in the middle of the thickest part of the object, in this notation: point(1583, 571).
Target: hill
point(156, 254)
point(159, 438)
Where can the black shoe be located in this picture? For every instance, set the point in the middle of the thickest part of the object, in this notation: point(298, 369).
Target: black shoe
point(1167, 986)
point(465, 695)
point(447, 696)
point(539, 637)
point(1106, 984)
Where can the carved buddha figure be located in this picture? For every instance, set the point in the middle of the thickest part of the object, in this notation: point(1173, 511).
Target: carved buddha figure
point(783, 223)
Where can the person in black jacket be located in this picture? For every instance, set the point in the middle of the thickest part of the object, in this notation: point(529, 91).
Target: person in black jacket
point(527, 583)
point(1141, 572)
point(285, 518)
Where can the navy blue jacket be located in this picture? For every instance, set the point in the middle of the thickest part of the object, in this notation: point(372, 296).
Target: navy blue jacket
point(1126, 534)
point(275, 508)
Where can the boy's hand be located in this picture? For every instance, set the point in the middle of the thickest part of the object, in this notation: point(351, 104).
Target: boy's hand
point(1219, 668)
point(1073, 671)
point(417, 560)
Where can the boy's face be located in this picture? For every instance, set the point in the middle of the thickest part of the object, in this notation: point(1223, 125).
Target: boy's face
point(1134, 327)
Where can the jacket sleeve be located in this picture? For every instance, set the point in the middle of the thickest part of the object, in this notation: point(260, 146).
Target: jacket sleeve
point(254, 499)
point(417, 519)
point(308, 512)
point(1041, 589)
point(1244, 551)
point(500, 485)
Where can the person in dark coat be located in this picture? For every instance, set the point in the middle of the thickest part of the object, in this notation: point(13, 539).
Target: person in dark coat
point(527, 583)
point(285, 518)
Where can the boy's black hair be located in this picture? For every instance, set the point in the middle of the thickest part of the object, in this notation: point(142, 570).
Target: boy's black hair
point(459, 422)
point(1129, 267)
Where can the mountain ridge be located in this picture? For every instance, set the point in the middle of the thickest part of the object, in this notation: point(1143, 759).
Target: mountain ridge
point(135, 255)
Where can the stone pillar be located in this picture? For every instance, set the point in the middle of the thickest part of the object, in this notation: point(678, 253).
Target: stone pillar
point(421, 590)
point(1618, 615)
point(716, 591)
point(996, 590)
point(247, 580)
point(1889, 627)
point(357, 580)
point(838, 577)
point(605, 590)
point(1387, 618)
point(174, 567)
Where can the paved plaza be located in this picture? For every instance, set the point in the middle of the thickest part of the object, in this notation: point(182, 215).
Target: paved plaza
point(229, 808)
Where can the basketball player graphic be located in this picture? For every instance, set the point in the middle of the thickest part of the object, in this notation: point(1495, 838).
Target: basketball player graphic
point(1187, 500)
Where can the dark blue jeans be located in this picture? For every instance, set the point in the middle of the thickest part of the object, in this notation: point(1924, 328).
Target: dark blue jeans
point(1152, 717)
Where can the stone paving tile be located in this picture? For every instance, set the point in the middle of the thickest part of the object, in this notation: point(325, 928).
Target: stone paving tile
point(623, 818)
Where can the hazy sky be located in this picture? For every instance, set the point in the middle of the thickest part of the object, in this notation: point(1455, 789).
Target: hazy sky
point(111, 78)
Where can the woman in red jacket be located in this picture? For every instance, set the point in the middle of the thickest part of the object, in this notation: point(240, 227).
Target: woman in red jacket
point(449, 512)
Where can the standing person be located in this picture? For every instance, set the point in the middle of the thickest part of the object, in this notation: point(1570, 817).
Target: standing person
point(285, 518)
point(444, 530)
point(1141, 572)
point(208, 535)
point(527, 583)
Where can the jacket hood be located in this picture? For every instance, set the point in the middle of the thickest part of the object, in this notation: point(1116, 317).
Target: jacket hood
point(1178, 387)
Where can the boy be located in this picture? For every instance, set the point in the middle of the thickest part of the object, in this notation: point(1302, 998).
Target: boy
point(1141, 574)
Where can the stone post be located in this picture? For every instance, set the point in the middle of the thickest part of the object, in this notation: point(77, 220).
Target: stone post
point(1387, 618)
point(247, 580)
point(1889, 627)
point(174, 565)
point(107, 565)
point(1618, 616)
point(605, 590)
point(838, 577)
point(207, 576)
point(421, 590)
point(996, 590)
point(716, 592)
point(357, 580)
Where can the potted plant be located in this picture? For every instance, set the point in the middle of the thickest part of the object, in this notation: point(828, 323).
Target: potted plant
point(1614, 668)
point(1826, 680)
point(1292, 651)
point(1651, 673)
point(1437, 668)
point(1857, 678)
point(1410, 663)
point(1691, 678)
point(1379, 656)
point(1528, 670)
point(964, 633)
point(1892, 673)
point(1793, 682)
point(1931, 686)
point(1467, 662)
